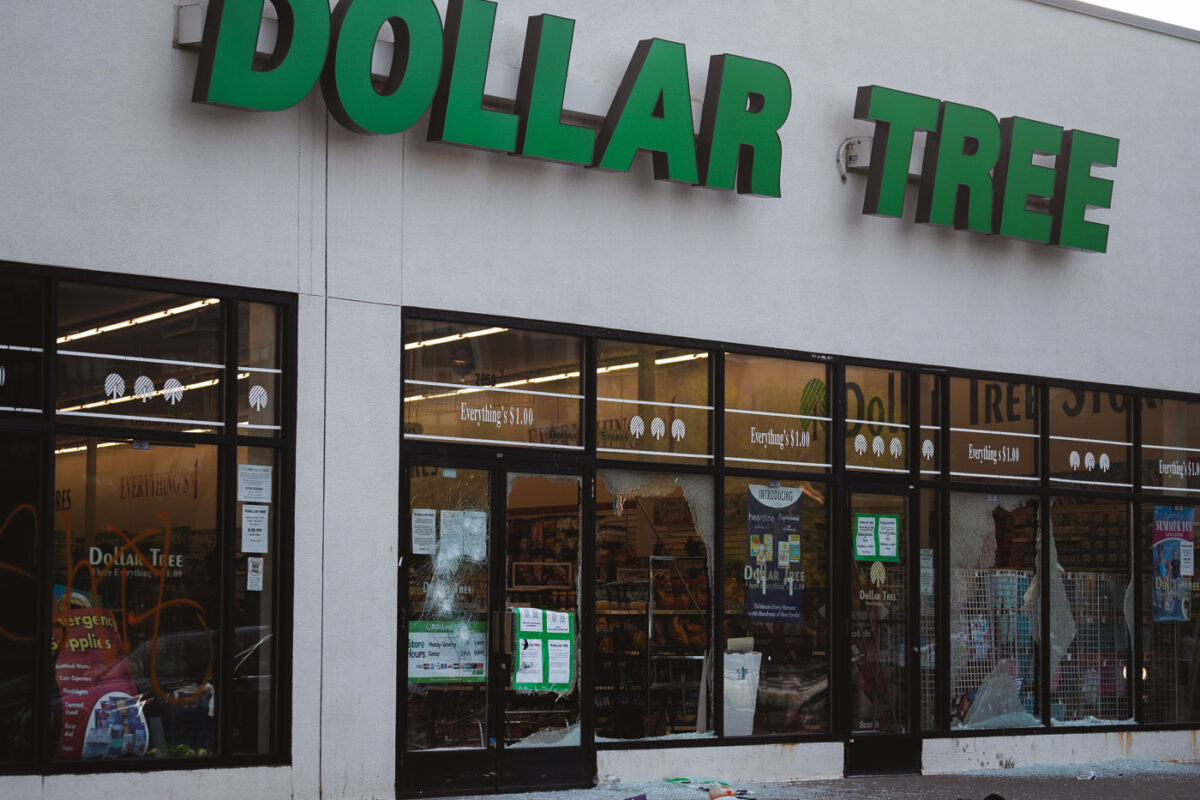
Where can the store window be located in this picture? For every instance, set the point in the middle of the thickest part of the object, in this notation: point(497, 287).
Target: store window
point(167, 532)
point(1170, 666)
point(994, 611)
point(653, 594)
point(994, 433)
point(776, 413)
point(777, 618)
point(1170, 445)
point(653, 403)
point(480, 384)
point(1091, 443)
point(931, 424)
point(877, 421)
point(1091, 610)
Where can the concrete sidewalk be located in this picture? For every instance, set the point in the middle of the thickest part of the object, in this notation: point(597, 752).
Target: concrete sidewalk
point(1115, 780)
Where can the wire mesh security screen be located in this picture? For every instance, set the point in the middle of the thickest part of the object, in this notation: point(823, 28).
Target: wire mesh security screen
point(994, 614)
point(653, 402)
point(1171, 625)
point(484, 384)
point(654, 533)
point(776, 674)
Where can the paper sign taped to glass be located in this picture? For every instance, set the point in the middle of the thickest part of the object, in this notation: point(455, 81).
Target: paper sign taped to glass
point(544, 650)
point(1172, 563)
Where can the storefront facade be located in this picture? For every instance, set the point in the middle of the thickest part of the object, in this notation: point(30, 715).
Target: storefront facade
point(355, 465)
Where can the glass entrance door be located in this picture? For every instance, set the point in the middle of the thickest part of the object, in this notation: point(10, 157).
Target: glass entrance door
point(490, 687)
point(879, 696)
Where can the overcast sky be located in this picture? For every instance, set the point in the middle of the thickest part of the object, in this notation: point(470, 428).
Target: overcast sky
point(1176, 12)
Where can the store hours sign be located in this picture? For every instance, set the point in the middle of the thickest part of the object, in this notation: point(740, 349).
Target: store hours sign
point(442, 69)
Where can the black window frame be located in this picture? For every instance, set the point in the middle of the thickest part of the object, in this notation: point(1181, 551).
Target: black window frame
point(835, 481)
point(48, 425)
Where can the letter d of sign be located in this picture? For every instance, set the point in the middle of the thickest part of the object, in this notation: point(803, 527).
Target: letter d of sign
point(226, 74)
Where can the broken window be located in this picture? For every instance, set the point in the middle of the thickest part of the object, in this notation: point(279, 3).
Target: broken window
point(654, 537)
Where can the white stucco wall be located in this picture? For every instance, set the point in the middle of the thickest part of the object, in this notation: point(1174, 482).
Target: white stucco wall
point(107, 165)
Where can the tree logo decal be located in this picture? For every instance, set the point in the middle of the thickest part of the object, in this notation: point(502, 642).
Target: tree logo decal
point(172, 390)
point(877, 445)
point(678, 430)
point(658, 428)
point(1074, 459)
point(114, 385)
point(143, 388)
point(860, 444)
point(897, 447)
point(637, 426)
point(927, 449)
point(2, 375)
point(1104, 462)
point(878, 574)
point(258, 397)
point(1089, 462)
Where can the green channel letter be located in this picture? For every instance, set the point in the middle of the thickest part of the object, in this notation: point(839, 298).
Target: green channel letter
point(458, 115)
point(956, 181)
point(1075, 189)
point(1017, 177)
point(746, 102)
point(897, 116)
point(226, 74)
point(346, 83)
point(541, 133)
point(652, 110)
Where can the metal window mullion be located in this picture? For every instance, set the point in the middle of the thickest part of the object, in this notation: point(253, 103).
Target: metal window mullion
point(41, 732)
point(1044, 566)
point(1137, 658)
point(716, 598)
point(227, 500)
point(838, 557)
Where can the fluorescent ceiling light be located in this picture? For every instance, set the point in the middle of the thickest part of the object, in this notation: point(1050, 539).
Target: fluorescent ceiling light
point(157, 315)
point(457, 337)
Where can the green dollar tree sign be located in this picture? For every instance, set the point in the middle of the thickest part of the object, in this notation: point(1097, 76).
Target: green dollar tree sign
point(1075, 189)
point(226, 74)
point(652, 110)
point(956, 181)
point(1017, 178)
point(458, 115)
point(897, 116)
point(541, 132)
point(346, 83)
point(746, 102)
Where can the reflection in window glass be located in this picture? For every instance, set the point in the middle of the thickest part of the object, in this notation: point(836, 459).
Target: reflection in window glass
point(476, 383)
point(448, 602)
point(255, 587)
point(542, 571)
point(993, 431)
point(1091, 609)
point(931, 512)
point(21, 353)
point(877, 419)
point(1170, 445)
point(776, 412)
point(776, 607)
point(259, 373)
point(1090, 441)
point(652, 402)
point(654, 534)
point(136, 582)
point(878, 613)
point(1171, 669)
point(20, 532)
point(994, 616)
point(931, 423)
point(145, 358)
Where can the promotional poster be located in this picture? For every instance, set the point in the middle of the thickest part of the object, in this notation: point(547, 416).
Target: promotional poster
point(774, 571)
point(1173, 563)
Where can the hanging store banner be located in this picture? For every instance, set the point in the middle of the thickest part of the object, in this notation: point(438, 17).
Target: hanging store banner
point(1174, 564)
point(774, 570)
